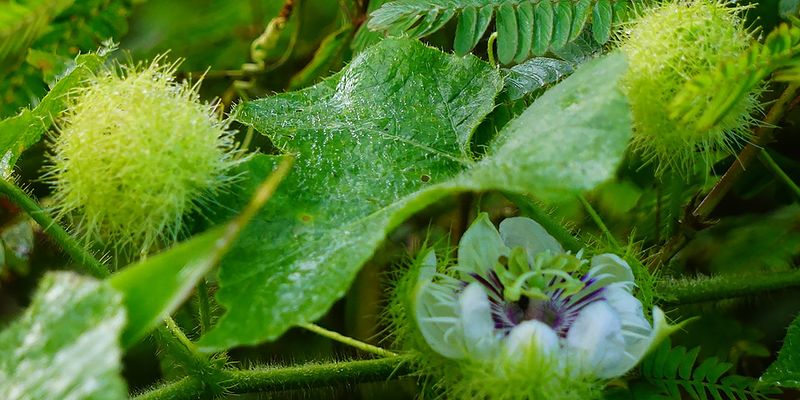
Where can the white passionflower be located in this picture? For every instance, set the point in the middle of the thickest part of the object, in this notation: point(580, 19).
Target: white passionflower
point(516, 297)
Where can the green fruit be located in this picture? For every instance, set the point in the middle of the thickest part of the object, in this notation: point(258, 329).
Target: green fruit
point(666, 46)
point(136, 153)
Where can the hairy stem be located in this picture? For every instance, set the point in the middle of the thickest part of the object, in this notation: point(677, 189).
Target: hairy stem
point(689, 291)
point(185, 388)
point(203, 306)
point(531, 209)
point(278, 379)
point(490, 49)
point(174, 342)
point(599, 222)
point(178, 334)
point(68, 243)
point(366, 347)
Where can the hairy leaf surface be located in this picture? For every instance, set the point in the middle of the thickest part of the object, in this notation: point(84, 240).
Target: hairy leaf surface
point(65, 346)
point(382, 139)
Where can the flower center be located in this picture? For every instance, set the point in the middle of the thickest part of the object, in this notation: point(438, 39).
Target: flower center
point(558, 311)
point(526, 309)
point(540, 310)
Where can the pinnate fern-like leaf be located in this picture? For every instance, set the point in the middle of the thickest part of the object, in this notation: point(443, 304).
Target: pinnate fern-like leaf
point(707, 98)
point(675, 372)
point(524, 27)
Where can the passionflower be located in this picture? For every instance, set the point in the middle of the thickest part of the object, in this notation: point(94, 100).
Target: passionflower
point(516, 306)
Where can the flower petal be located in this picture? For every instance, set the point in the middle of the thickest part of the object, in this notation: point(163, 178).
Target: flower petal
point(628, 308)
point(638, 349)
point(595, 342)
point(477, 324)
point(528, 234)
point(437, 313)
point(480, 248)
point(636, 329)
point(531, 338)
point(427, 267)
point(610, 268)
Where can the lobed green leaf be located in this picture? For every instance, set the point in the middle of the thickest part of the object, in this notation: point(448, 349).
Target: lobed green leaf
point(534, 74)
point(382, 139)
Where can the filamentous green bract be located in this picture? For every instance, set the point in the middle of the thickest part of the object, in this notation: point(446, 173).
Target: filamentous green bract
point(136, 153)
point(666, 46)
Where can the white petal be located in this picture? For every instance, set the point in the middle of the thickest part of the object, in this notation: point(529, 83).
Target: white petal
point(595, 341)
point(528, 234)
point(427, 267)
point(628, 308)
point(637, 351)
point(480, 248)
point(477, 324)
point(532, 338)
point(438, 317)
point(610, 268)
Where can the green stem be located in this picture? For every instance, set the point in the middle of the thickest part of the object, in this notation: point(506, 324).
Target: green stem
point(366, 347)
point(531, 209)
point(175, 343)
point(599, 222)
point(689, 291)
point(55, 231)
point(178, 334)
point(184, 388)
point(776, 169)
point(279, 379)
point(203, 306)
point(316, 375)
